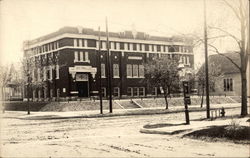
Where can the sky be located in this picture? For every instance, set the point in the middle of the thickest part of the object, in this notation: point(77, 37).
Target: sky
point(22, 20)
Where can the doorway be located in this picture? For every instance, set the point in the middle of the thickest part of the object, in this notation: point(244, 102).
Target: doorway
point(83, 89)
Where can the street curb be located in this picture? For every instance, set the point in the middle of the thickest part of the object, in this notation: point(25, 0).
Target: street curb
point(127, 113)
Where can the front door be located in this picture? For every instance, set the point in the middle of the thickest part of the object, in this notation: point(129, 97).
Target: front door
point(83, 90)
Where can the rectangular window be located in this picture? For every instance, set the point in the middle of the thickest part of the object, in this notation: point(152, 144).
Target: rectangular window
point(75, 42)
point(104, 45)
point(125, 46)
point(155, 48)
point(81, 56)
point(112, 45)
point(76, 57)
point(130, 91)
point(38, 74)
point(228, 84)
point(80, 42)
point(57, 71)
point(118, 45)
point(116, 91)
point(129, 70)
point(162, 48)
point(85, 43)
point(138, 47)
point(154, 91)
point(44, 74)
point(97, 44)
point(86, 56)
point(51, 73)
point(141, 71)
point(135, 71)
point(188, 62)
point(143, 47)
point(142, 91)
point(150, 48)
point(116, 70)
point(135, 92)
point(130, 46)
point(103, 71)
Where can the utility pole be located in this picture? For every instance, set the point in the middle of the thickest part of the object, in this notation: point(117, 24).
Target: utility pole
point(100, 70)
point(206, 61)
point(109, 69)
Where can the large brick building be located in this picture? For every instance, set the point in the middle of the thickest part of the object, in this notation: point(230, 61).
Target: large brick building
point(65, 63)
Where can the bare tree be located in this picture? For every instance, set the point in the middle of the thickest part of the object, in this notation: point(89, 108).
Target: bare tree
point(3, 81)
point(240, 9)
point(163, 72)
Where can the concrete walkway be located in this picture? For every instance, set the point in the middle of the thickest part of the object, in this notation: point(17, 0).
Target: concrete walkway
point(117, 112)
point(176, 128)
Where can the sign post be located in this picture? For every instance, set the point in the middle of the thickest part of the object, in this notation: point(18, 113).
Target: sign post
point(187, 100)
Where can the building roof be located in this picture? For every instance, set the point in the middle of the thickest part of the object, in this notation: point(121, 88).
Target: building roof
point(227, 67)
point(88, 31)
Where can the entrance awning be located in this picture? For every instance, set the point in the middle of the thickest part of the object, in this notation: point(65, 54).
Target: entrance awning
point(75, 69)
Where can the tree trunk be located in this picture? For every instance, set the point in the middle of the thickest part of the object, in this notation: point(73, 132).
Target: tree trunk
point(243, 94)
point(3, 99)
point(166, 100)
point(202, 95)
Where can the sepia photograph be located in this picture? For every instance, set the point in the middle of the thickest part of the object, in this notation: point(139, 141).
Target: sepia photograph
point(124, 78)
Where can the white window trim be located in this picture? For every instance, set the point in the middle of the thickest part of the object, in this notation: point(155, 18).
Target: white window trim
point(129, 76)
point(116, 76)
point(118, 46)
point(85, 43)
point(75, 42)
point(103, 71)
point(80, 42)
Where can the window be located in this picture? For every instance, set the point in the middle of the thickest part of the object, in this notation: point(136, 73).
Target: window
point(75, 42)
point(130, 46)
point(81, 56)
point(129, 70)
point(104, 91)
point(51, 93)
point(57, 44)
point(103, 71)
point(112, 45)
point(188, 62)
point(76, 57)
point(130, 91)
point(85, 43)
point(138, 47)
point(57, 71)
point(155, 48)
point(143, 47)
point(154, 91)
point(80, 42)
point(116, 70)
point(141, 71)
point(38, 74)
point(86, 56)
point(150, 47)
point(44, 74)
point(104, 45)
point(135, 91)
point(116, 91)
point(118, 45)
point(142, 91)
point(135, 71)
point(97, 44)
point(125, 46)
point(228, 84)
point(162, 48)
point(50, 73)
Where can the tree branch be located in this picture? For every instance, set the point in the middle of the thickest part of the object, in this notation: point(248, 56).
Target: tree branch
point(217, 51)
point(233, 9)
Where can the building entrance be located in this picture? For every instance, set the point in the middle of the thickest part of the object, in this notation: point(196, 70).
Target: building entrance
point(83, 90)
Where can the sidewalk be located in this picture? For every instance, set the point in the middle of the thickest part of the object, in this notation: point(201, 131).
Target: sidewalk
point(116, 112)
point(176, 128)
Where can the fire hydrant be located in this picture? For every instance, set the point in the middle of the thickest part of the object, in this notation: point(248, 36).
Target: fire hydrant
point(222, 112)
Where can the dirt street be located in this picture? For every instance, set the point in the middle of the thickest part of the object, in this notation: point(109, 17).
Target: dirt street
point(105, 137)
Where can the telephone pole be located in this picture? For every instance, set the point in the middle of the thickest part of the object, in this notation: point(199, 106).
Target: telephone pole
point(206, 61)
point(100, 70)
point(109, 70)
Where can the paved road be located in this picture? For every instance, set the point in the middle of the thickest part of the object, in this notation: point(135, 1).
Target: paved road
point(105, 137)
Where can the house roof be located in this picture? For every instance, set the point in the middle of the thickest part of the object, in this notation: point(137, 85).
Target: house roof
point(226, 66)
